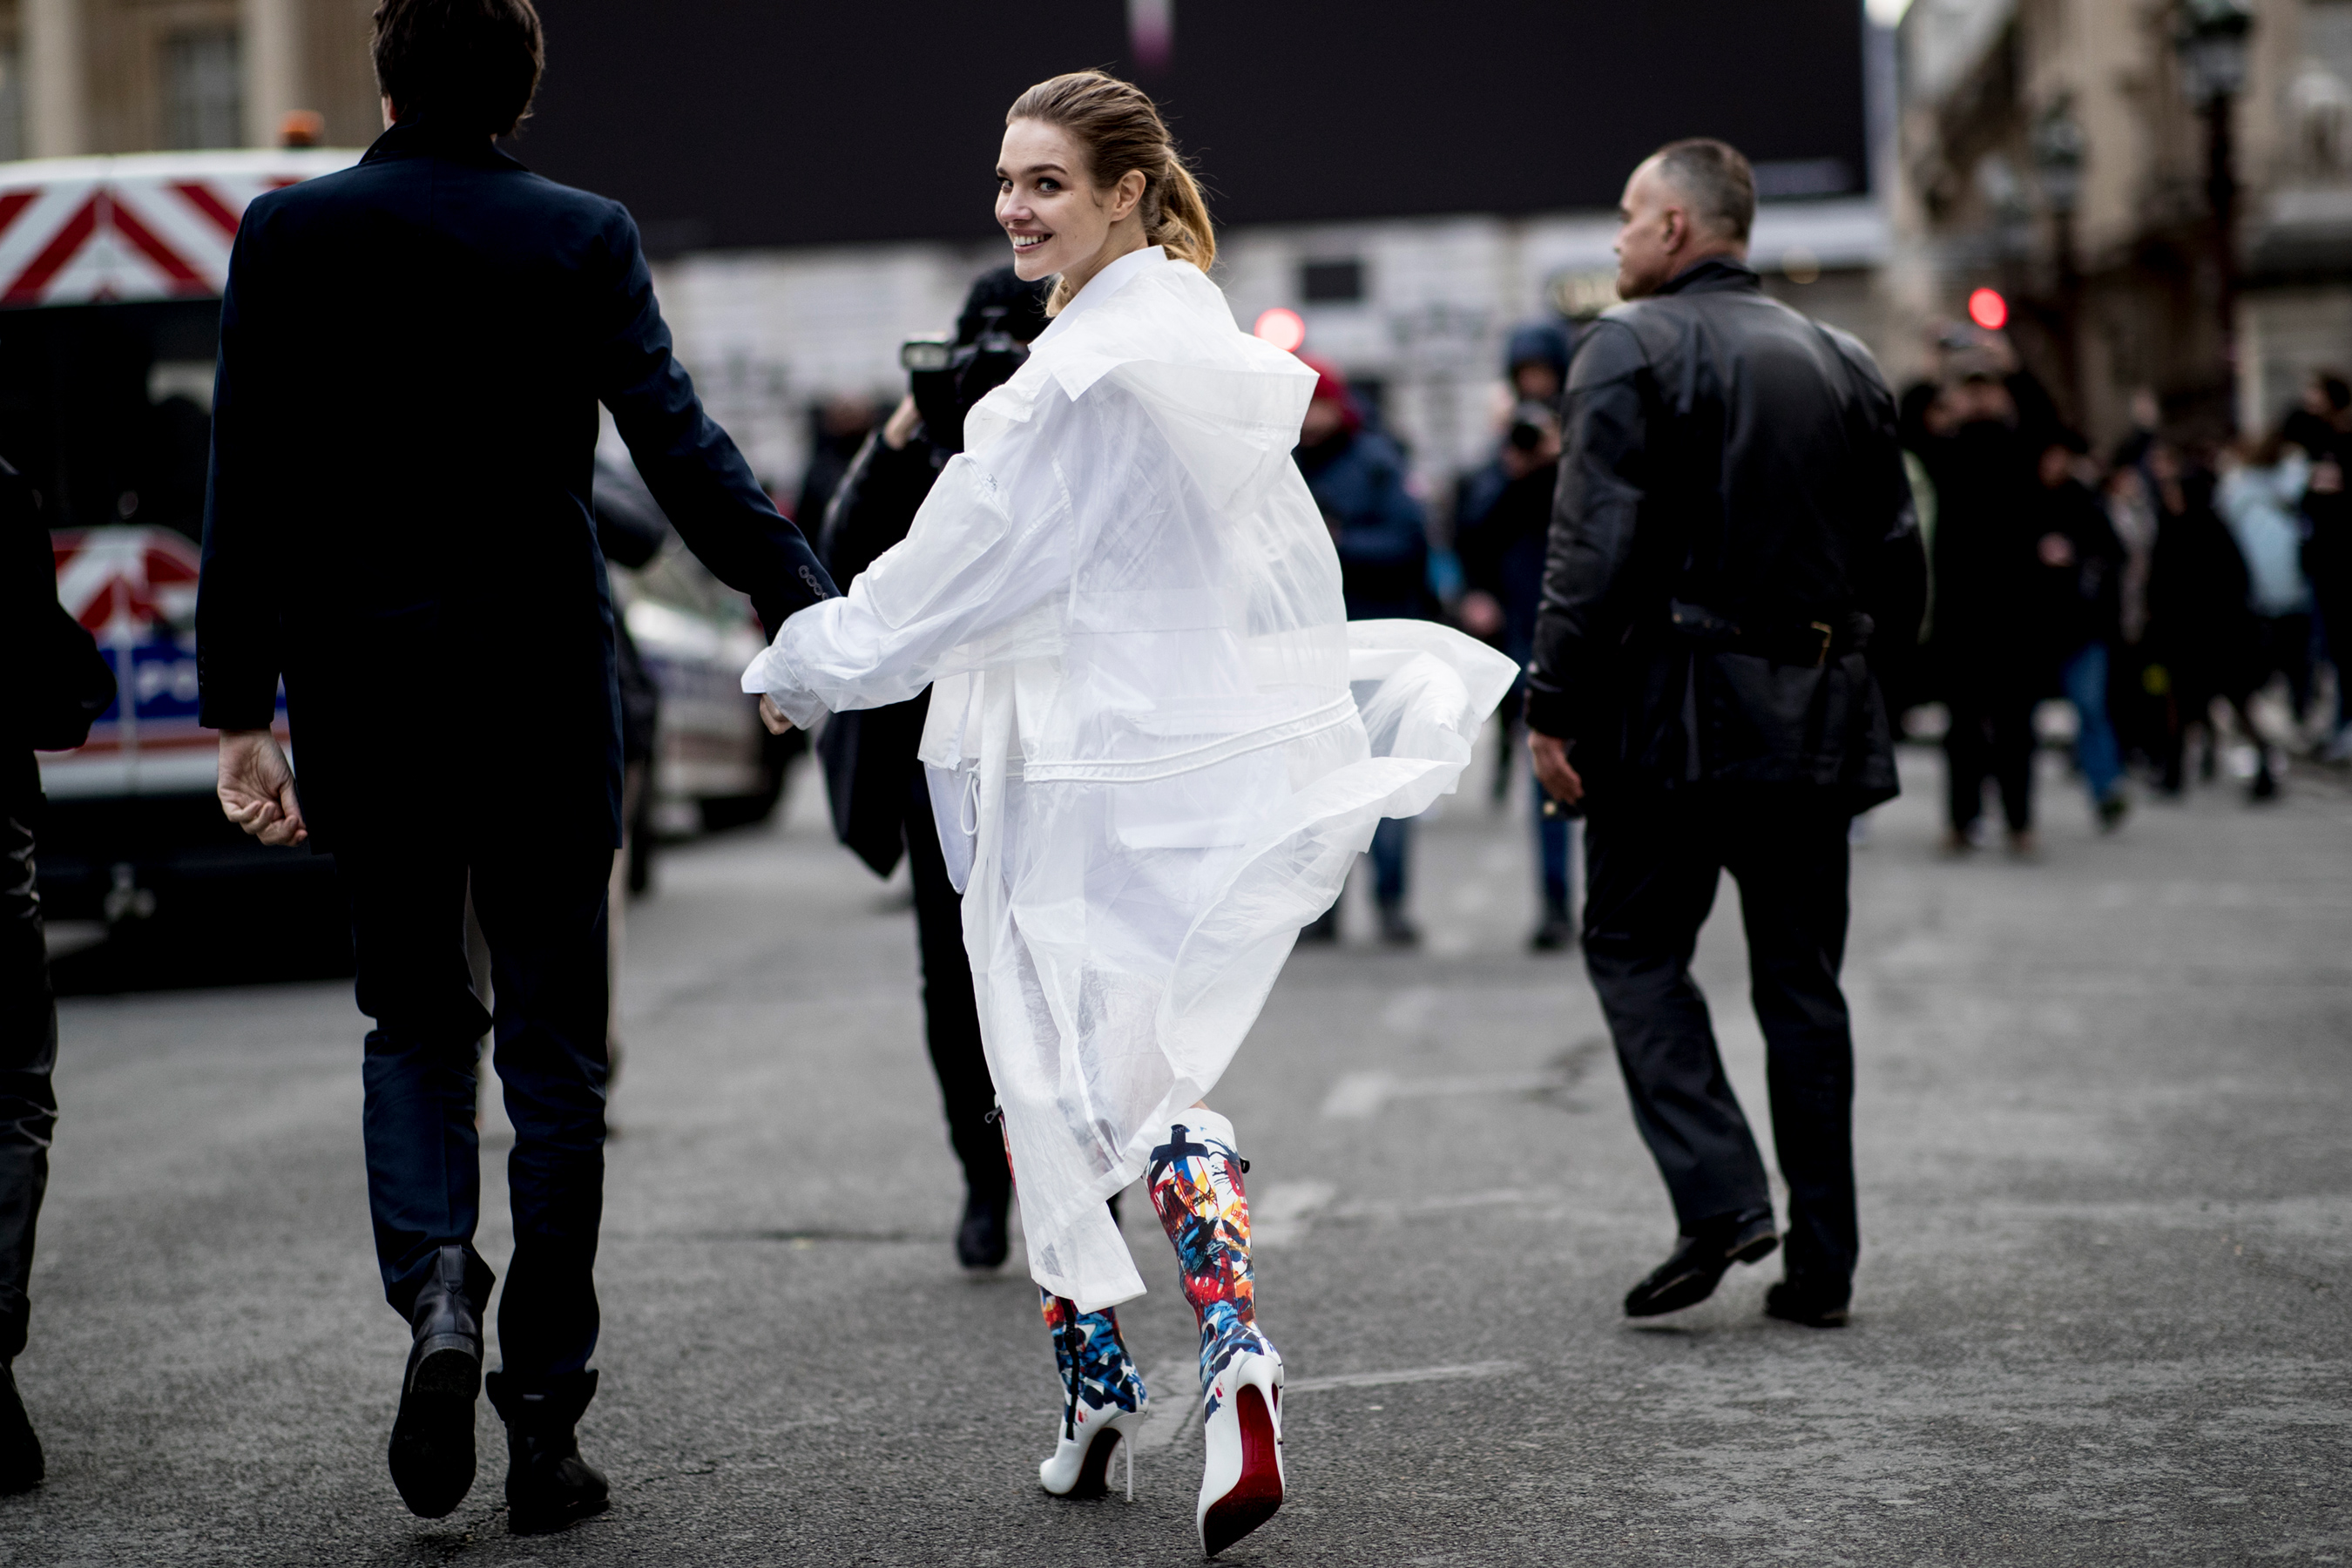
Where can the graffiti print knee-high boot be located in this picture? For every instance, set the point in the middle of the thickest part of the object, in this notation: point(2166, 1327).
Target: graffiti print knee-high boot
point(1195, 1179)
point(1104, 1406)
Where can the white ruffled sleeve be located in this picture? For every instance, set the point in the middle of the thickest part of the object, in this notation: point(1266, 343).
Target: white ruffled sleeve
point(992, 541)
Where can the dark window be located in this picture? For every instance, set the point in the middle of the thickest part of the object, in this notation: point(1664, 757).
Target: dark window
point(1331, 282)
point(203, 102)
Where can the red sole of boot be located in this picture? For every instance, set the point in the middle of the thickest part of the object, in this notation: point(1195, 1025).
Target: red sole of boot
point(1258, 1493)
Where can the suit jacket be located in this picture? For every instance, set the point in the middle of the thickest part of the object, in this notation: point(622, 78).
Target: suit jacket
point(398, 515)
point(1731, 537)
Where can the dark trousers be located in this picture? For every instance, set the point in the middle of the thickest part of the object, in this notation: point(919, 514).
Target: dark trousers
point(1991, 736)
point(543, 917)
point(950, 1017)
point(28, 1054)
point(1652, 867)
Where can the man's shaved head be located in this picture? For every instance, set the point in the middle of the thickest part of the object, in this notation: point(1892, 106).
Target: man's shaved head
point(1688, 201)
point(1716, 180)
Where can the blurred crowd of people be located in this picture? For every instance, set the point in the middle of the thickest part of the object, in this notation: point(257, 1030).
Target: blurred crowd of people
point(2157, 589)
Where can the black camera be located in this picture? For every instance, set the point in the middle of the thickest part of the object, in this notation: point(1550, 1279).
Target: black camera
point(1532, 424)
point(947, 377)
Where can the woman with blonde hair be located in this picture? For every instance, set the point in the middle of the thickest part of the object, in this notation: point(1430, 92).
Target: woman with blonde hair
point(1156, 745)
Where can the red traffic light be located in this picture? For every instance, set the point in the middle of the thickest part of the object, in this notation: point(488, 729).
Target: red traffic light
point(1284, 329)
point(1988, 310)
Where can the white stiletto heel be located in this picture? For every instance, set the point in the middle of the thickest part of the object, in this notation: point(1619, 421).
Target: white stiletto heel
point(1106, 1408)
point(1241, 1427)
point(1083, 1452)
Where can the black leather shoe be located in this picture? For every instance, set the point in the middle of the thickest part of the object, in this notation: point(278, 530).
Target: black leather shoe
point(1690, 1274)
point(1557, 935)
point(1816, 1306)
point(981, 1239)
point(432, 1454)
point(21, 1464)
point(548, 1485)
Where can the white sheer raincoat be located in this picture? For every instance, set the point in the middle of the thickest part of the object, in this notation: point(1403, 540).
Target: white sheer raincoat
point(1156, 743)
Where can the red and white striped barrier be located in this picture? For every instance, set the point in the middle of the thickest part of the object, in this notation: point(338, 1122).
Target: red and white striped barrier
point(153, 226)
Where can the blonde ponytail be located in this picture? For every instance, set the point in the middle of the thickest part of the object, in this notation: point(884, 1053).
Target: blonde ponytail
point(1119, 128)
point(1178, 217)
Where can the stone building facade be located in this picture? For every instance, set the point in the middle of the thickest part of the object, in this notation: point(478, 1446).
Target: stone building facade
point(134, 76)
point(2052, 149)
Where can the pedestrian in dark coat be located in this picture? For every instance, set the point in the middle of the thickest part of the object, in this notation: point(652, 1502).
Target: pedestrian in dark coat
point(1502, 553)
point(399, 525)
point(2079, 614)
point(1733, 534)
point(2327, 535)
point(1358, 479)
point(1989, 653)
point(2202, 637)
point(881, 800)
point(56, 685)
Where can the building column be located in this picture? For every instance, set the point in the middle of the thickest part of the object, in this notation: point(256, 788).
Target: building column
point(270, 40)
point(56, 80)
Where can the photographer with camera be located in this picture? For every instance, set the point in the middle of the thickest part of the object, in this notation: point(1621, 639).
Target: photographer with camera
point(1502, 551)
point(881, 805)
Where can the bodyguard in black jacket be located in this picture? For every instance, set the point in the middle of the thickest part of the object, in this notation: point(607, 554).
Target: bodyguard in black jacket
point(1731, 538)
point(398, 525)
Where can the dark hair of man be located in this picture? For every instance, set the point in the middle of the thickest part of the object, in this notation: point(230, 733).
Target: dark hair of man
point(1716, 179)
point(471, 65)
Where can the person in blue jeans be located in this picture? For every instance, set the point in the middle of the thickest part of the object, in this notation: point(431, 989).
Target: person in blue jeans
point(1357, 477)
point(2080, 590)
point(1502, 551)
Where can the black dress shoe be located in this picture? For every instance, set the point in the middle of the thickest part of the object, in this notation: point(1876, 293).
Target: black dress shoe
point(1557, 935)
point(432, 1454)
point(1816, 1306)
point(1690, 1274)
point(21, 1464)
point(548, 1485)
point(981, 1241)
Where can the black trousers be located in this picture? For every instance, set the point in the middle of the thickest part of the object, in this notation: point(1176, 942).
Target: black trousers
point(1651, 868)
point(950, 1017)
point(28, 1055)
point(543, 917)
point(1991, 736)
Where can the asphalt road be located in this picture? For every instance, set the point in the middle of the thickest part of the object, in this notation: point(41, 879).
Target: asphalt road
point(2101, 1316)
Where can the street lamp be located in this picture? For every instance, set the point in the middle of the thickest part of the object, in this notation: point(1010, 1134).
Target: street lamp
point(2211, 43)
point(2057, 147)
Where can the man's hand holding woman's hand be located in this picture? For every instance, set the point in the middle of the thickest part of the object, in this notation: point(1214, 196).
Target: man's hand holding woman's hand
point(257, 787)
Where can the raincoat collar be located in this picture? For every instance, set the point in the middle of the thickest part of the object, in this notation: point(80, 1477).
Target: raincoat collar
point(1105, 284)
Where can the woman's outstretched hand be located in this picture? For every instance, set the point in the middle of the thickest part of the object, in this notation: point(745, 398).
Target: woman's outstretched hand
point(773, 716)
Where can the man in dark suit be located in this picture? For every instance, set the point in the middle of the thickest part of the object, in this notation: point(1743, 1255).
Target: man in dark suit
point(398, 523)
point(1731, 538)
point(57, 683)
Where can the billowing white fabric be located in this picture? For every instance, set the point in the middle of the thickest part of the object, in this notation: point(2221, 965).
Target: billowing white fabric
point(1156, 743)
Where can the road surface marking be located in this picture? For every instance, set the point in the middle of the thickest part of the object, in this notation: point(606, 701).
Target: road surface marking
point(1176, 1414)
point(1361, 1096)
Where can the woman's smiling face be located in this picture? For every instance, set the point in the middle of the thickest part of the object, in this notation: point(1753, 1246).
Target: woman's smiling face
point(1047, 200)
